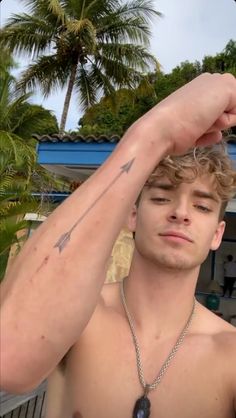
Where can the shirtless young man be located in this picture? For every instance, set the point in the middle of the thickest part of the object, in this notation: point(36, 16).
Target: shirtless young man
point(52, 298)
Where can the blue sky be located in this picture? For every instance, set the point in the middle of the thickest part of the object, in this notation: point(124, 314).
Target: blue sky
point(189, 30)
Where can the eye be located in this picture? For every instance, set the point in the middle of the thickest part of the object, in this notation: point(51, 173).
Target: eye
point(203, 208)
point(160, 199)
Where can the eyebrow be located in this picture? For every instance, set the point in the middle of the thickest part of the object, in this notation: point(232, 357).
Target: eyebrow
point(205, 195)
point(162, 186)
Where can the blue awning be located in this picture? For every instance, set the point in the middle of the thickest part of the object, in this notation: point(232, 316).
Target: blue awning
point(82, 152)
point(77, 157)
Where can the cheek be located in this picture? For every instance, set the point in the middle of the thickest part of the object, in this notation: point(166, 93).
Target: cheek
point(209, 238)
point(144, 227)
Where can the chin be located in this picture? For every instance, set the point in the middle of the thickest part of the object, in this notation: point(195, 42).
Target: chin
point(175, 261)
point(169, 258)
point(177, 264)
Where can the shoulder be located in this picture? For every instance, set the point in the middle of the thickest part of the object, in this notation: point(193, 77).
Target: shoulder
point(221, 334)
point(211, 323)
point(220, 337)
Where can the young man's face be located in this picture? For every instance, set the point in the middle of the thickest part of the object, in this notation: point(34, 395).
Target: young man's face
point(177, 226)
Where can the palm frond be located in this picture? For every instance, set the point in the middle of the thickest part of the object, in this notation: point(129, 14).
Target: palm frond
point(8, 146)
point(9, 236)
point(27, 34)
point(87, 88)
point(5, 97)
point(51, 11)
point(8, 230)
point(97, 9)
point(138, 8)
point(6, 63)
point(19, 154)
point(14, 109)
point(49, 73)
point(120, 75)
point(100, 82)
point(131, 55)
point(15, 208)
point(129, 22)
point(132, 30)
point(6, 180)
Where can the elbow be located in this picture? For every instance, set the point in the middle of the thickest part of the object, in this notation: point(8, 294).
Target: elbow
point(16, 380)
point(15, 387)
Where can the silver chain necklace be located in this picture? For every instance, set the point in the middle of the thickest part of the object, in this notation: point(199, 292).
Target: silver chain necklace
point(143, 405)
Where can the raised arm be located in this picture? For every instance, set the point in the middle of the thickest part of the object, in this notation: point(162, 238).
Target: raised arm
point(52, 289)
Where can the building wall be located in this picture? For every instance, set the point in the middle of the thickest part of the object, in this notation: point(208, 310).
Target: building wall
point(121, 257)
point(228, 246)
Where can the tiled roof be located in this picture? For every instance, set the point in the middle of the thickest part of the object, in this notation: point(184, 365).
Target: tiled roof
point(89, 138)
point(77, 138)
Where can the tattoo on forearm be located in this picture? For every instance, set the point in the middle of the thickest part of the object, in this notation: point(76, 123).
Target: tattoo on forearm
point(65, 238)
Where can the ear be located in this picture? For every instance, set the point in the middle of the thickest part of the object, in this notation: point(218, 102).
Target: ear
point(132, 218)
point(216, 241)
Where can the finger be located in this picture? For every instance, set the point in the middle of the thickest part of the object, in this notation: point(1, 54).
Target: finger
point(210, 138)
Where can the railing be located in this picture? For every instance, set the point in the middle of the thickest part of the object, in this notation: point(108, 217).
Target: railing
point(30, 405)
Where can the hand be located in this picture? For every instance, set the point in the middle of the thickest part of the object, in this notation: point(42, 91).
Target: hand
point(195, 114)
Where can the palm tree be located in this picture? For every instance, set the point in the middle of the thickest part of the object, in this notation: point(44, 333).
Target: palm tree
point(92, 46)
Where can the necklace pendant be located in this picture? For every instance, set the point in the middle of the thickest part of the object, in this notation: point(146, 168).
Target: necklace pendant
point(142, 408)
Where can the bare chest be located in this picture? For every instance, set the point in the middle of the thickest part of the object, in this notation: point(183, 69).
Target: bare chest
point(102, 381)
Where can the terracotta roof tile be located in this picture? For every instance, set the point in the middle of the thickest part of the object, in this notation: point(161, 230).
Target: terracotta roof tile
point(77, 138)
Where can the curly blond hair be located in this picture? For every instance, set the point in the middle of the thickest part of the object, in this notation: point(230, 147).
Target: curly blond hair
point(213, 160)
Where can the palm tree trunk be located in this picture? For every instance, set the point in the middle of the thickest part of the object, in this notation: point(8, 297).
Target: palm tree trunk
point(67, 99)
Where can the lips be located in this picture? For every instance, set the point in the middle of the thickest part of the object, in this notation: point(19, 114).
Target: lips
point(176, 234)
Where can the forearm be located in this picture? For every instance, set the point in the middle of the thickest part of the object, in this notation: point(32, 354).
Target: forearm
point(50, 292)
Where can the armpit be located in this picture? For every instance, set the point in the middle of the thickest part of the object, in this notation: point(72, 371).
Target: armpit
point(77, 414)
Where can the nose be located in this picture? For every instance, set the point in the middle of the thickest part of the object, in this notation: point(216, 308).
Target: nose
point(179, 214)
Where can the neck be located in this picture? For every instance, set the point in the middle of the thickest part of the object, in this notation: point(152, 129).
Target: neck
point(159, 299)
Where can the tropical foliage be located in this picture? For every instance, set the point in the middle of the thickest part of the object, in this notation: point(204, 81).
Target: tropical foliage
point(15, 201)
point(105, 118)
point(19, 173)
point(222, 62)
point(92, 47)
point(19, 119)
point(114, 114)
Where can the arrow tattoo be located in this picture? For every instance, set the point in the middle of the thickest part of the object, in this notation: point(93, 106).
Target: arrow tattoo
point(65, 238)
